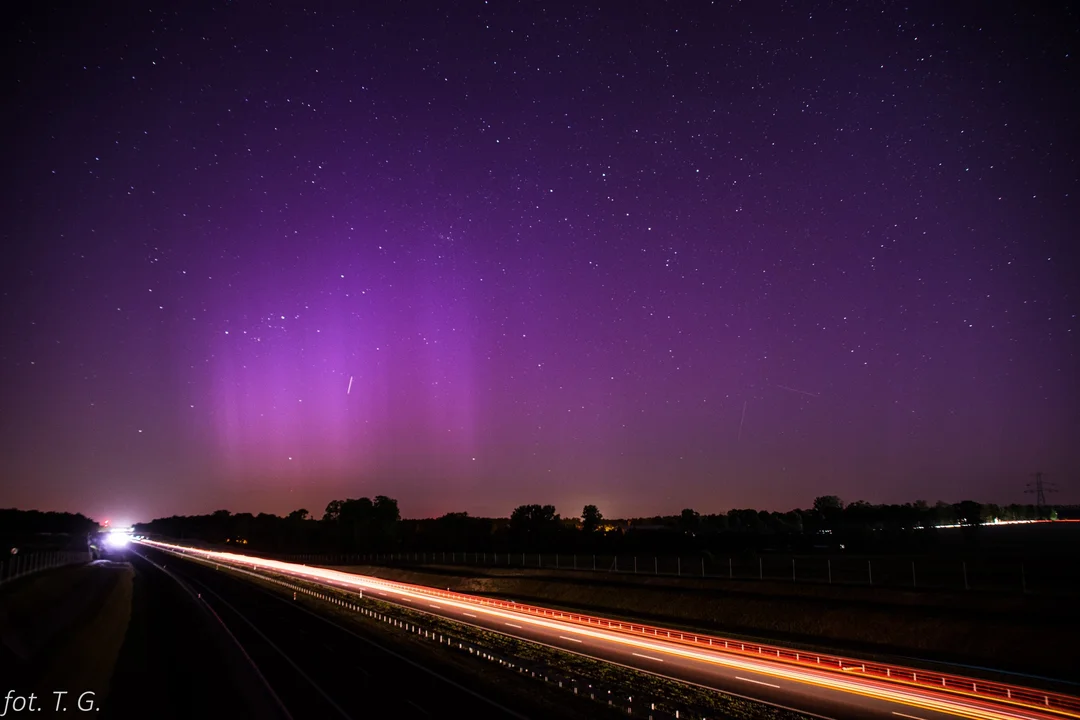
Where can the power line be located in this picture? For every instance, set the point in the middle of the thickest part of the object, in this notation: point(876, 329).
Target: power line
point(1039, 487)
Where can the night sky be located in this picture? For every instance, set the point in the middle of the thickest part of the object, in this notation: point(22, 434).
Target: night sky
point(478, 254)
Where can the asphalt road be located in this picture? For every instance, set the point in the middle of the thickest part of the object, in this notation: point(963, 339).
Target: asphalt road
point(320, 669)
point(823, 693)
point(742, 682)
point(177, 662)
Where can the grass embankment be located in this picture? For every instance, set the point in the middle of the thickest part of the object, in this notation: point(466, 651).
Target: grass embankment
point(546, 675)
point(67, 626)
point(1012, 632)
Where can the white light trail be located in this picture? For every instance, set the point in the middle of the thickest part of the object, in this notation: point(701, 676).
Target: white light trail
point(758, 682)
point(648, 657)
point(349, 391)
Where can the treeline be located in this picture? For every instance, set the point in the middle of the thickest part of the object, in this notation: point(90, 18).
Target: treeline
point(365, 525)
point(353, 525)
point(30, 529)
point(20, 523)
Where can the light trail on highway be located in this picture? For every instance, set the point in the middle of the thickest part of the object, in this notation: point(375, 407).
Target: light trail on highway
point(686, 657)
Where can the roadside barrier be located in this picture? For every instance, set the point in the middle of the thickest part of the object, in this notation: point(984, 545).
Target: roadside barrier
point(21, 565)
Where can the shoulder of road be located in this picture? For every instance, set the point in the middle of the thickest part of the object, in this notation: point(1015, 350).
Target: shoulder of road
point(63, 628)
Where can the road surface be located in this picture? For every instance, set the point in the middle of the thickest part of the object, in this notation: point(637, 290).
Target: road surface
point(322, 670)
point(825, 693)
point(177, 662)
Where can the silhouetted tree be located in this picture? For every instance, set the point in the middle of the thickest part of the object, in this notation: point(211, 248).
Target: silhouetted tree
point(454, 531)
point(385, 509)
point(590, 519)
point(717, 523)
point(828, 503)
point(829, 509)
point(689, 521)
point(968, 512)
point(791, 522)
point(386, 519)
point(943, 513)
point(534, 525)
point(745, 521)
point(333, 511)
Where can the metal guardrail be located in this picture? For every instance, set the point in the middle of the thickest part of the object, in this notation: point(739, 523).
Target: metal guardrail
point(24, 564)
point(912, 677)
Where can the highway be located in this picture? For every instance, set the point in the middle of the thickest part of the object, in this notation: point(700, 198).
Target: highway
point(829, 693)
point(319, 669)
point(177, 662)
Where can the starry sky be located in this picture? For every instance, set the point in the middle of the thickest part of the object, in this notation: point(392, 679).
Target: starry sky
point(647, 255)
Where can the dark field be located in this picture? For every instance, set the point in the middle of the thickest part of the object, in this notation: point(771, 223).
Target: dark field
point(1039, 558)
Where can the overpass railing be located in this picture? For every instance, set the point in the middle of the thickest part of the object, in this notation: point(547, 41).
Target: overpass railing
point(22, 564)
